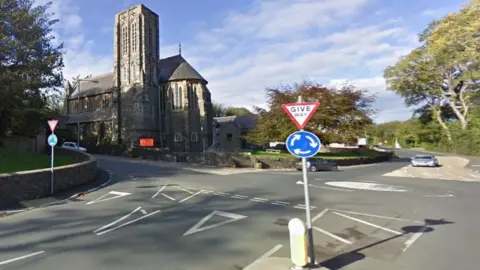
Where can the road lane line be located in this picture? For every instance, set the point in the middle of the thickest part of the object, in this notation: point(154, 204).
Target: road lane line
point(304, 208)
point(21, 257)
point(191, 196)
point(168, 197)
point(337, 189)
point(368, 223)
point(333, 235)
point(414, 238)
point(264, 256)
point(259, 200)
point(222, 193)
point(377, 216)
point(128, 223)
point(321, 214)
point(241, 197)
point(117, 221)
point(182, 189)
point(158, 192)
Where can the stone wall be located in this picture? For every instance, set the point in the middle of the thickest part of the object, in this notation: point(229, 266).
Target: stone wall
point(35, 184)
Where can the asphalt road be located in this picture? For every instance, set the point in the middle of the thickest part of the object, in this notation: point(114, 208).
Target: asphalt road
point(165, 216)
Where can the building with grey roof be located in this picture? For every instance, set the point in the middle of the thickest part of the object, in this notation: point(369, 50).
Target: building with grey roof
point(144, 96)
point(229, 132)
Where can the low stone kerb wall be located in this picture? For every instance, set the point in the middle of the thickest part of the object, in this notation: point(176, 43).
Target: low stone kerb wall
point(35, 184)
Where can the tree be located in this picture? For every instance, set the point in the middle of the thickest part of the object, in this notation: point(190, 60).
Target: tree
point(29, 62)
point(342, 116)
point(238, 111)
point(218, 110)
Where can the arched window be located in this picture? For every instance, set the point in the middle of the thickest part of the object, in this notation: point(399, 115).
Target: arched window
point(134, 37)
point(133, 73)
point(178, 137)
point(180, 98)
point(125, 39)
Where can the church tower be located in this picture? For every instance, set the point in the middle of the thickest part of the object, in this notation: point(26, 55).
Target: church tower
point(136, 47)
point(136, 57)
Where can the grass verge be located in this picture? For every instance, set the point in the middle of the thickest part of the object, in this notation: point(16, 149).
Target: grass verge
point(343, 155)
point(15, 161)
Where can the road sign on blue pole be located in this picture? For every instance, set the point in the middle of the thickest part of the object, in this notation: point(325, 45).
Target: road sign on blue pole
point(303, 144)
point(52, 141)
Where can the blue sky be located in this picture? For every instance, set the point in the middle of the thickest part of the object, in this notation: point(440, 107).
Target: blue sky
point(243, 46)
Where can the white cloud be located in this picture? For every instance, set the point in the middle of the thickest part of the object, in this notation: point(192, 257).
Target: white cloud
point(78, 56)
point(282, 42)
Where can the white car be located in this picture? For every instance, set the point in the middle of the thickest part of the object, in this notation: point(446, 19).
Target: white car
point(424, 161)
point(73, 146)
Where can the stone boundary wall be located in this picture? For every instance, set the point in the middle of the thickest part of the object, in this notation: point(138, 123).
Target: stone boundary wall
point(35, 184)
point(242, 160)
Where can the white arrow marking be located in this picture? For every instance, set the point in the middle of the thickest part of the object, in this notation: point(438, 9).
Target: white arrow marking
point(300, 152)
point(197, 228)
point(313, 143)
point(296, 137)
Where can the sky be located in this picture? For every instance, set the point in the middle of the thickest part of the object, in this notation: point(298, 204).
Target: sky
point(244, 46)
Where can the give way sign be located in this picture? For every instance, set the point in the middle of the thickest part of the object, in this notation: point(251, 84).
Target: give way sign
point(300, 113)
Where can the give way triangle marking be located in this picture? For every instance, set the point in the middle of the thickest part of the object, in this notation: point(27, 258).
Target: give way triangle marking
point(197, 228)
point(116, 194)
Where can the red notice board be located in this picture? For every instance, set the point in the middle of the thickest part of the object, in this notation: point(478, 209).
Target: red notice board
point(146, 142)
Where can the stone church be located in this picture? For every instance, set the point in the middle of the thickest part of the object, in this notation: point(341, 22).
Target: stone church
point(145, 96)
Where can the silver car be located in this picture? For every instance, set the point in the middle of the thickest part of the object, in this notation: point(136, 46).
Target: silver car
point(424, 161)
point(73, 146)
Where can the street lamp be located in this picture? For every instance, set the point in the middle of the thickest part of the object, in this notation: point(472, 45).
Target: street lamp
point(78, 109)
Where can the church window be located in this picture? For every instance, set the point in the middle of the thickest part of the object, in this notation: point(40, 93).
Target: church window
point(180, 98)
point(194, 137)
point(178, 137)
point(192, 98)
point(125, 40)
point(134, 37)
point(177, 97)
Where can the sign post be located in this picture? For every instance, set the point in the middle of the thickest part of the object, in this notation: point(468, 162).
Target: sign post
point(303, 144)
point(52, 141)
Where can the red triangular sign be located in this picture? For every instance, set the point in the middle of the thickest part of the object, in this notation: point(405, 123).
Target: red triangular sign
point(300, 113)
point(52, 124)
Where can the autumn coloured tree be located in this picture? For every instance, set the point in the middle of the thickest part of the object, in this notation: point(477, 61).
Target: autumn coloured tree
point(342, 116)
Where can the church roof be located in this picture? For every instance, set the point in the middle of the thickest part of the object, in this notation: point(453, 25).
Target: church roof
point(103, 84)
point(242, 121)
point(177, 68)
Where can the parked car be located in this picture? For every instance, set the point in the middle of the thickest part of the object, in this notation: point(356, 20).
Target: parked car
point(73, 146)
point(318, 164)
point(424, 161)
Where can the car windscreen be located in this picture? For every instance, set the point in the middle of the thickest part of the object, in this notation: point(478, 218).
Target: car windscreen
point(423, 158)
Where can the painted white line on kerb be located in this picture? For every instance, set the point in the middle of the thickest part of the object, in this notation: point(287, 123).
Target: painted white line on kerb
point(127, 223)
point(259, 200)
point(158, 192)
point(321, 214)
point(21, 257)
point(191, 196)
point(117, 221)
point(333, 235)
point(182, 189)
point(414, 238)
point(376, 216)
point(168, 197)
point(266, 255)
point(368, 223)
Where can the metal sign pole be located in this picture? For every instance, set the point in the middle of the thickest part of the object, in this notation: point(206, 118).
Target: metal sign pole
point(311, 250)
point(51, 170)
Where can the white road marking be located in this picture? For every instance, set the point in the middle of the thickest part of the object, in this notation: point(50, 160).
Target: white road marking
point(376, 216)
point(168, 197)
point(197, 227)
point(206, 191)
point(281, 203)
point(222, 193)
point(304, 207)
point(158, 192)
point(182, 189)
point(333, 235)
point(368, 223)
point(337, 189)
point(143, 211)
point(116, 193)
point(406, 171)
point(21, 257)
point(440, 196)
point(191, 196)
point(414, 238)
point(117, 221)
point(128, 223)
point(321, 214)
point(241, 197)
point(366, 186)
point(266, 255)
point(259, 200)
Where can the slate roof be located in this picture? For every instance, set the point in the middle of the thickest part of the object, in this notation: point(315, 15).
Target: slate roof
point(177, 68)
point(104, 84)
point(242, 121)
